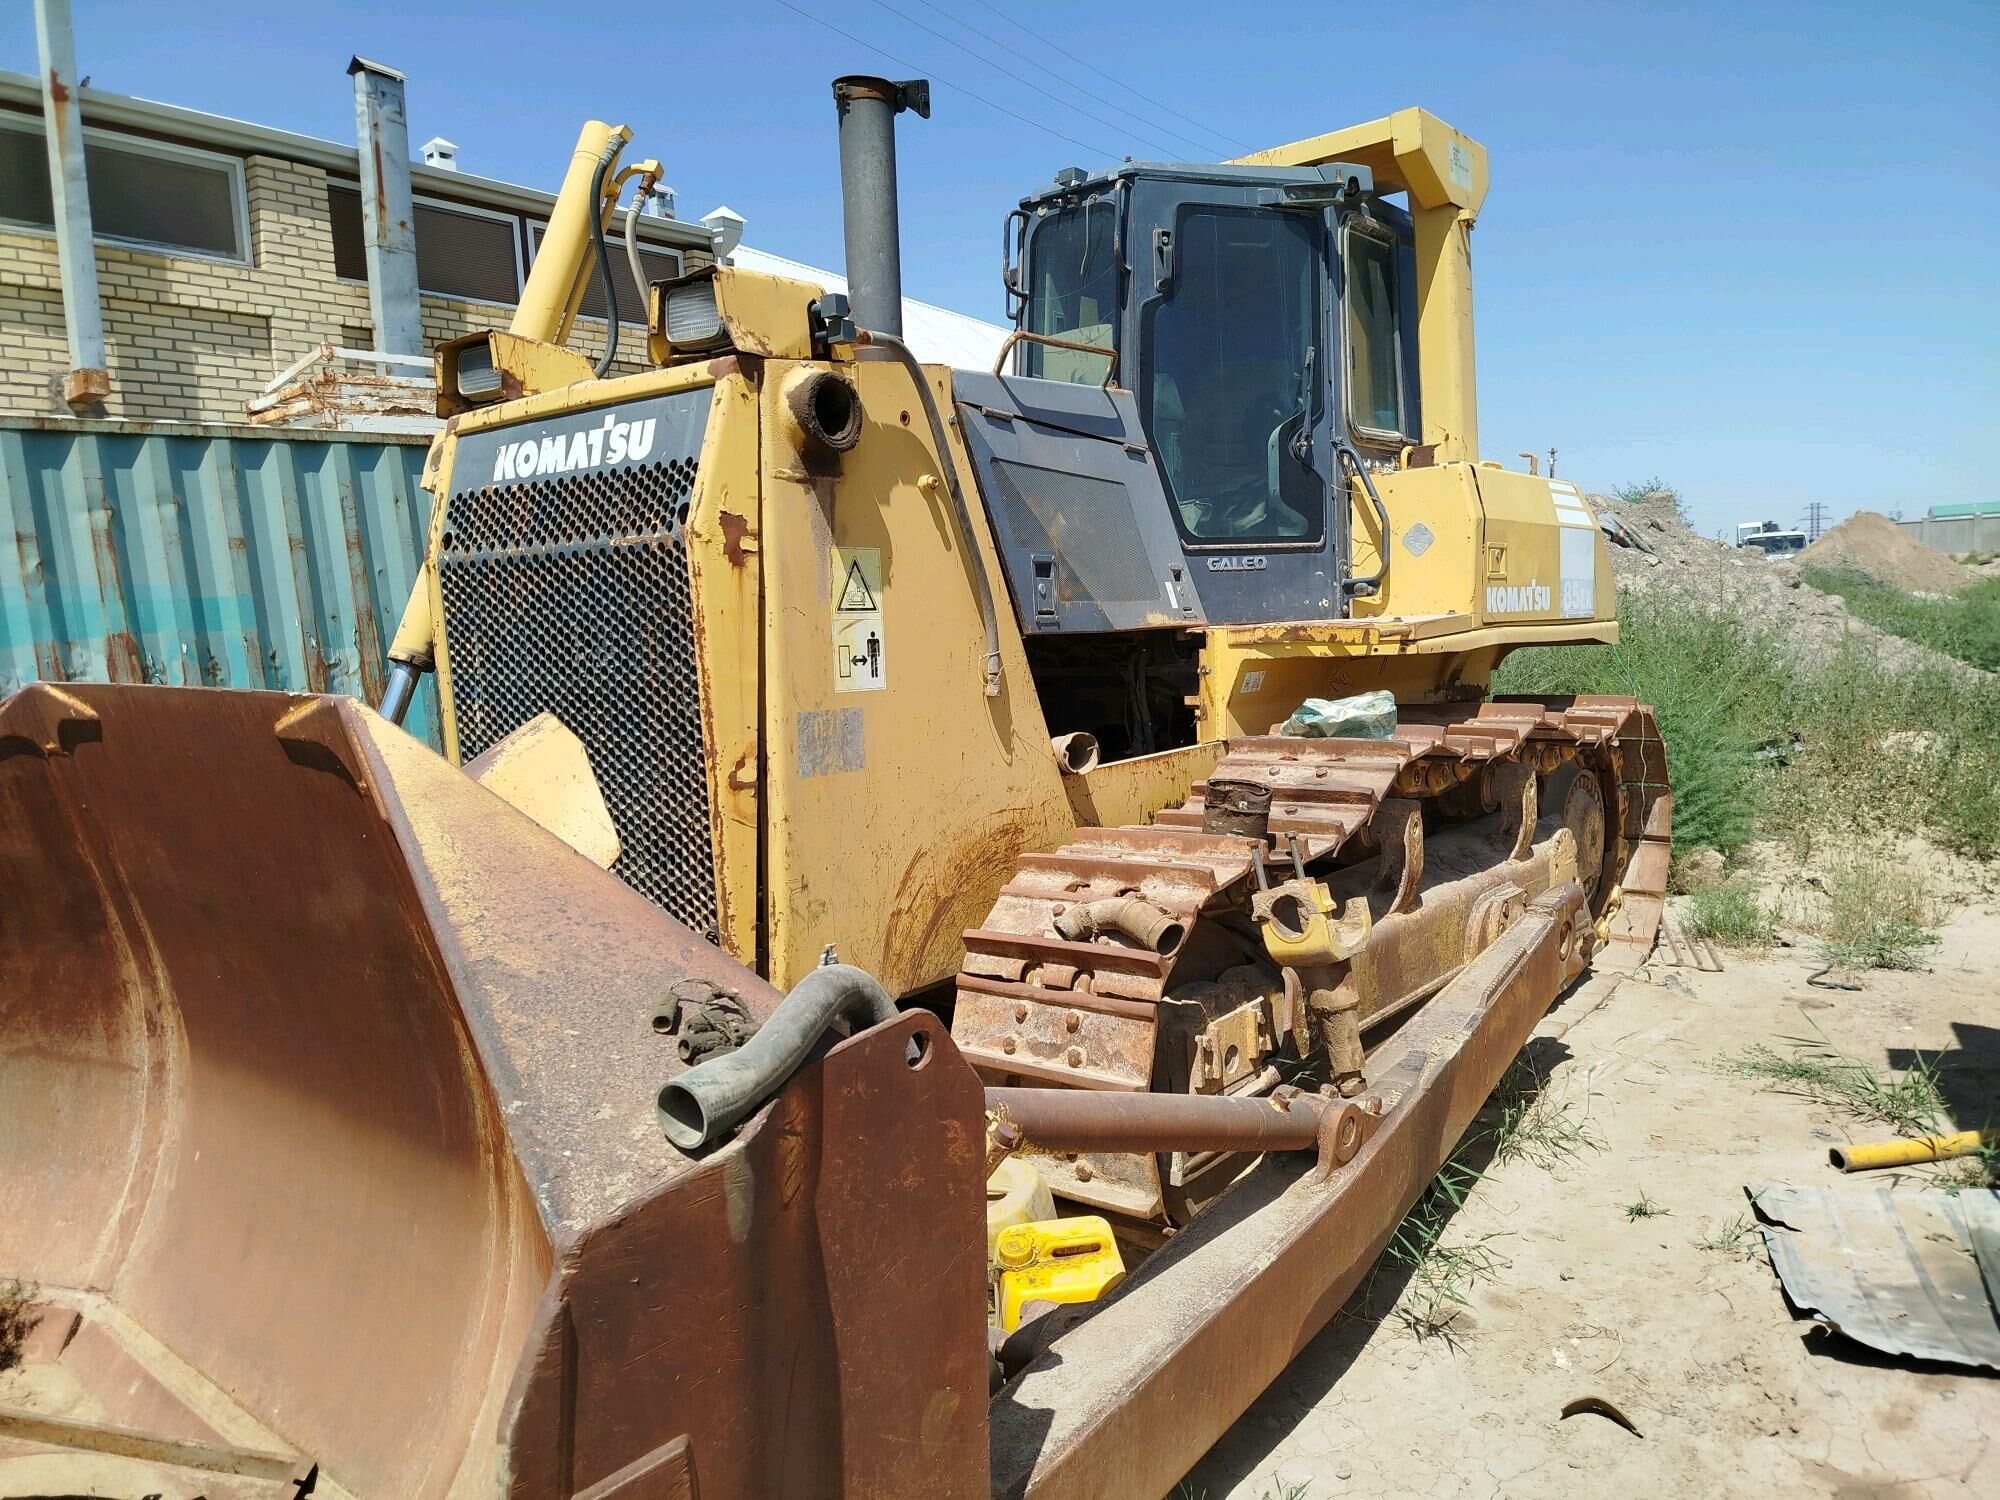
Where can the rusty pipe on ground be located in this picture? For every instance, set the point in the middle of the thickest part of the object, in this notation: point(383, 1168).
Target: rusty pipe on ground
point(1091, 1120)
point(706, 1103)
point(1129, 916)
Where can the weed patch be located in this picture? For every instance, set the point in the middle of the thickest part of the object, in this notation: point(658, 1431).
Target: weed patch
point(1807, 748)
point(1644, 1207)
point(1738, 1237)
point(16, 1323)
point(1965, 625)
point(1730, 914)
point(1812, 1068)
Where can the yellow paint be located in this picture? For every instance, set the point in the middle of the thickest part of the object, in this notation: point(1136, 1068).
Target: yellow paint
point(892, 817)
point(1905, 1153)
point(543, 769)
point(560, 274)
point(1444, 172)
point(1058, 1260)
point(1119, 792)
point(725, 586)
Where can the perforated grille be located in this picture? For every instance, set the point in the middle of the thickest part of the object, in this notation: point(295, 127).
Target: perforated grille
point(570, 594)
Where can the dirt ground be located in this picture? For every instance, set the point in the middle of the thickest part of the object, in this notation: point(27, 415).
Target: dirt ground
point(1879, 547)
point(1733, 1394)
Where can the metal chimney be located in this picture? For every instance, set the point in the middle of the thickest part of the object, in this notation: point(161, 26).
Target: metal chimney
point(388, 220)
point(868, 109)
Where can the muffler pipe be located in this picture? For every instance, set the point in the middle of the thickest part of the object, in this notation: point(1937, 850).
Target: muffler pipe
point(868, 108)
point(706, 1103)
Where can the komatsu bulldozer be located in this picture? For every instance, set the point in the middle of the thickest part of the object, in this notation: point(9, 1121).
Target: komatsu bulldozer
point(379, 1124)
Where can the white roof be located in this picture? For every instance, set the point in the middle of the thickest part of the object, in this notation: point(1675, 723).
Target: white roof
point(936, 335)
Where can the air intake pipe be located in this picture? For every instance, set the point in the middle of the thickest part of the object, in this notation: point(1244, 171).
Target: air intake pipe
point(868, 108)
point(706, 1103)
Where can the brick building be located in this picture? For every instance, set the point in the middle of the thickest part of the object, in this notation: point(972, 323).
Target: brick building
point(226, 250)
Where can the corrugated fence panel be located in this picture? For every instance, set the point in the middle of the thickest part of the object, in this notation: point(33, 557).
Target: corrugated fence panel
point(207, 556)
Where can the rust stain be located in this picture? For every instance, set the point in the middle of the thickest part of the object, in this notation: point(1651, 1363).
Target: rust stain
point(123, 660)
point(947, 886)
point(58, 90)
point(743, 775)
point(734, 529)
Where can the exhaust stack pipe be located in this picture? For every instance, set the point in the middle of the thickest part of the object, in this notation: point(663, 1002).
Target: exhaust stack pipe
point(868, 108)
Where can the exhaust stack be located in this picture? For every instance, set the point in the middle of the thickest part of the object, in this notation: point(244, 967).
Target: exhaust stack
point(868, 108)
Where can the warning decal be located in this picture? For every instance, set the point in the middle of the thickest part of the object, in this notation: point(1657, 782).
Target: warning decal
point(859, 644)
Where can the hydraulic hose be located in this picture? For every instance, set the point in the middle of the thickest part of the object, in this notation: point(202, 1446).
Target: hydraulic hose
point(610, 155)
point(632, 245)
point(706, 1103)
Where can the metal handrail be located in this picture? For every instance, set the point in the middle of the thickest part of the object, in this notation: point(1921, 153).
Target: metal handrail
point(1020, 335)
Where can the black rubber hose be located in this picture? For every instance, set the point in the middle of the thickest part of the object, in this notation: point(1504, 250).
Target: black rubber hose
point(604, 255)
point(708, 1102)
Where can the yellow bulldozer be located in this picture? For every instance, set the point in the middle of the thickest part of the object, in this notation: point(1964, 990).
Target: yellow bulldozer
point(871, 791)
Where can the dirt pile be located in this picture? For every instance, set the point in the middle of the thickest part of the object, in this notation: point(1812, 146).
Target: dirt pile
point(1883, 550)
point(1669, 556)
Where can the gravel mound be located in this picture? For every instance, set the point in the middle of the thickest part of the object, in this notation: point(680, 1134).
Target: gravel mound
point(1677, 560)
point(1883, 550)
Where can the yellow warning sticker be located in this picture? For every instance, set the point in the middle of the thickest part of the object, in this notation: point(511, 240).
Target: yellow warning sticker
point(859, 644)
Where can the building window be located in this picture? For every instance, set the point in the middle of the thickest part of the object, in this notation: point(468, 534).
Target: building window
point(470, 253)
point(142, 192)
point(659, 265)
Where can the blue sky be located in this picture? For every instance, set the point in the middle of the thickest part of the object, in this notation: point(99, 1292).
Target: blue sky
point(1750, 248)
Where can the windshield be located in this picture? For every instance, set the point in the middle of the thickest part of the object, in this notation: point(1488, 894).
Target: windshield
point(1072, 292)
point(1229, 383)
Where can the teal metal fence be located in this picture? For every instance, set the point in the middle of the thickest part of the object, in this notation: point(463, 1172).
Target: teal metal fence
point(207, 556)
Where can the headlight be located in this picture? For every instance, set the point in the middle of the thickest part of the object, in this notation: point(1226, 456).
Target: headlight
point(690, 315)
point(476, 377)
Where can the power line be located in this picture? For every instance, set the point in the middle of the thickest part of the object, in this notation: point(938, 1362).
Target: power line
point(936, 77)
point(1021, 79)
point(1148, 98)
point(1205, 149)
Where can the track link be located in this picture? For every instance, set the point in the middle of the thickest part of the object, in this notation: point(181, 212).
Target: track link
point(1037, 1007)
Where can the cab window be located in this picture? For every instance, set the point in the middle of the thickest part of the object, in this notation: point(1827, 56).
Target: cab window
point(1073, 292)
point(1229, 388)
point(1374, 334)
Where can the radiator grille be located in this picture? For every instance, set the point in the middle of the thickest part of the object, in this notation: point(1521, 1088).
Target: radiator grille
point(570, 594)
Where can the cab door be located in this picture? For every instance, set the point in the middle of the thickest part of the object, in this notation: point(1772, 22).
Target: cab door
point(1231, 326)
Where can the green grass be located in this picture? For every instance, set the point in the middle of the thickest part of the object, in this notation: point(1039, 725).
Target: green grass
point(1644, 1207)
point(1730, 914)
point(1524, 1119)
point(1965, 624)
point(1738, 1237)
point(1877, 913)
point(1811, 1068)
point(1765, 739)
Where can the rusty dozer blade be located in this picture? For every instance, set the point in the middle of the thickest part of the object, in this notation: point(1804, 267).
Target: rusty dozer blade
point(329, 1147)
point(327, 1138)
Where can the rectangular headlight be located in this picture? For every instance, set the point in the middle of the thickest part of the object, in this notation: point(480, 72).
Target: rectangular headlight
point(477, 379)
point(690, 315)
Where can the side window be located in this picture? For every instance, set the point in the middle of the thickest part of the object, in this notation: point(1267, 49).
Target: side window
point(1072, 292)
point(1374, 334)
point(1229, 385)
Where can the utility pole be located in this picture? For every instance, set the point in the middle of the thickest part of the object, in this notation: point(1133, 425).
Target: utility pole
point(1815, 520)
point(87, 381)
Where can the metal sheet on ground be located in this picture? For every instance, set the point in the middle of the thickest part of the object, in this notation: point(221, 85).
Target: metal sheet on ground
point(1896, 1270)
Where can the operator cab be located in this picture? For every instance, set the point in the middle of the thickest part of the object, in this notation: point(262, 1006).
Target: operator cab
point(1195, 346)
